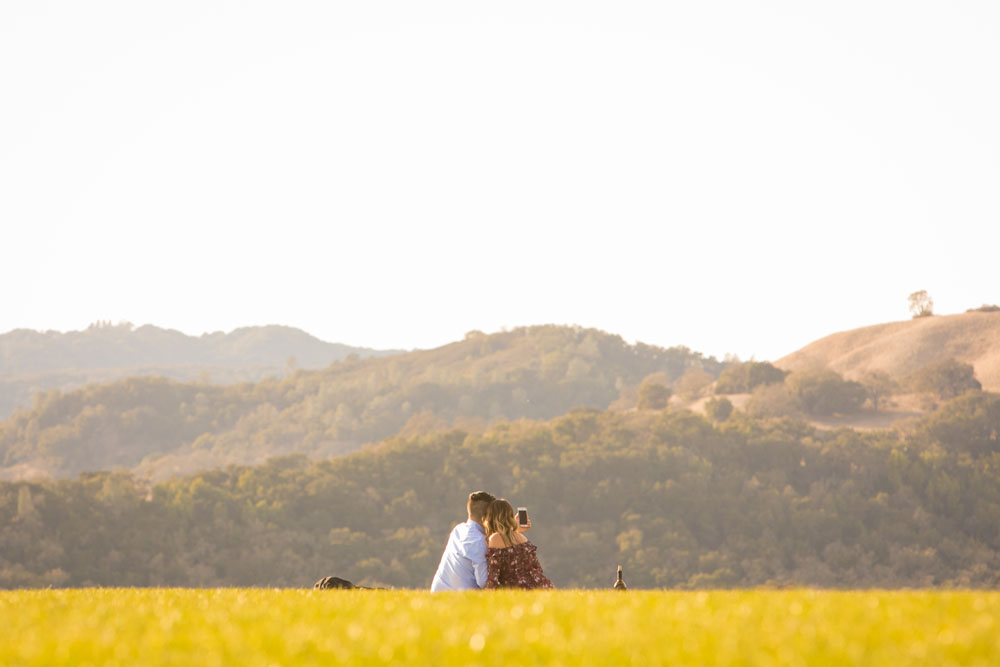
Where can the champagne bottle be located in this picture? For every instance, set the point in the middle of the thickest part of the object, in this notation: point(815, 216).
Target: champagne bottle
point(620, 583)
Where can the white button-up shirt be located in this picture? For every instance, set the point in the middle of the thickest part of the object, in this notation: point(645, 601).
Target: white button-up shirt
point(463, 563)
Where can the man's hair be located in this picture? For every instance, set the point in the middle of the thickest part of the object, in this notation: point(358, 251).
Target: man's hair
point(478, 502)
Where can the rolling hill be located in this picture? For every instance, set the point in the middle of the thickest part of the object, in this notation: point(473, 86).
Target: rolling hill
point(161, 427)
point(34, 361)
point(899, 348)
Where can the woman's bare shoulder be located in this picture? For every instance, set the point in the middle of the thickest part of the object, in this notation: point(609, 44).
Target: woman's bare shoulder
point(495, 541)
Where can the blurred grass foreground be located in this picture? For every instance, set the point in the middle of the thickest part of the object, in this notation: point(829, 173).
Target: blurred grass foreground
point(233, 626)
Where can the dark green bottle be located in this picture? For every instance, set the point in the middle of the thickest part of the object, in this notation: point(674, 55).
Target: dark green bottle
point(620, 583)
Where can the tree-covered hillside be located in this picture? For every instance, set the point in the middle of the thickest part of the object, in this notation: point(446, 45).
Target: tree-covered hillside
point(33, 361)
point(163, 427)
point(678, 500)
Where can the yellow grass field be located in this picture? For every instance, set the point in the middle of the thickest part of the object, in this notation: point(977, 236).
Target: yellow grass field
point(249, 627)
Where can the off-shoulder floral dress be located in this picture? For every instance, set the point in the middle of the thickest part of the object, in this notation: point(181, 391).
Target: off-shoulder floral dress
point(515, 567)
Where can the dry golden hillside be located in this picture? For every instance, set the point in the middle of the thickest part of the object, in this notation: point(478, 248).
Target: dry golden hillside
point(899, 348)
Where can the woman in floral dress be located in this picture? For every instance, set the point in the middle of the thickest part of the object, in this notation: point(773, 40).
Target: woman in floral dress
point(512, 561)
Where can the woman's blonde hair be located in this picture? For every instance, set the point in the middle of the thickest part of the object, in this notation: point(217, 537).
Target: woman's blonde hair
point(500, 518)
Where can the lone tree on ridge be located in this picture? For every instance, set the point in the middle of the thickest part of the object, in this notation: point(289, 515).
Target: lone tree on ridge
point(921, 304)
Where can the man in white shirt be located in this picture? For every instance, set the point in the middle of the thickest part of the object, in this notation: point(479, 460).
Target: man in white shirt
point(463, 563)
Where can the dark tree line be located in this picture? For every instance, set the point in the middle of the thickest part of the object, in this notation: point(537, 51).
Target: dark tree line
point(679, 500)
point(823, 392)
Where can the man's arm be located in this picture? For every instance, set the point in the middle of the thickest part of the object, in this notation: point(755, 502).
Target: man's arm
point(476, 551)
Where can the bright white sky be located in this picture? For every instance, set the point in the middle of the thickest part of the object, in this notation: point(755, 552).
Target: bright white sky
point(738, 177)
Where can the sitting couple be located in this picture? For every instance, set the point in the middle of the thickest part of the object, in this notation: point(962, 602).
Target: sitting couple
point(489, 551)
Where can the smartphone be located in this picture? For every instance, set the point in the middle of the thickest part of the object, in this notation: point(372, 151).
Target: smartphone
point(522, 516)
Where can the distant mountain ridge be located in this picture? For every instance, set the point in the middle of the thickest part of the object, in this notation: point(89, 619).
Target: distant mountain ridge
point(162, 427)
point(899, 348)
point(34, 361)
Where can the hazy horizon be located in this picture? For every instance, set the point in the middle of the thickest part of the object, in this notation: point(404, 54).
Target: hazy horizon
point(362, 344)
point(732, 178)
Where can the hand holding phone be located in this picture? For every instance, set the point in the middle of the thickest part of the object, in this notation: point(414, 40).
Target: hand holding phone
point(522, 516)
